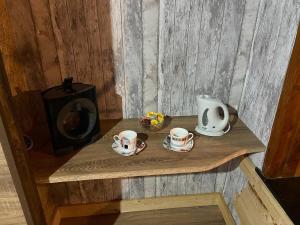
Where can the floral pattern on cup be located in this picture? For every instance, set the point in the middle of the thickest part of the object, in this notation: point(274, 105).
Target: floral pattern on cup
point(127, 139)
point(179, 137)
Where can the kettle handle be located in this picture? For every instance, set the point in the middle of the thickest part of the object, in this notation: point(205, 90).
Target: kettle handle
point(225, 110)
point(226, 116)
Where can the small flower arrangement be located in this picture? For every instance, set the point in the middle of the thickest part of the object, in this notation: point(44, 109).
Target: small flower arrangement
point(153, 121)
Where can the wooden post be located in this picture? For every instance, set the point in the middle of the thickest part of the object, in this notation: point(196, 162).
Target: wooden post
point(15, 153)
point(283, 155)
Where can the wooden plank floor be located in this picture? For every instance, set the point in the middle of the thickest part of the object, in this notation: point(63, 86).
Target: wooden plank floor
point(204, 215)
point(99, 161)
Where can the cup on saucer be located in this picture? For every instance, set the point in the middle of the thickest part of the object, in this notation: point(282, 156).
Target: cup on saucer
point(126, 140)
point(127, 143)
point(179, 137)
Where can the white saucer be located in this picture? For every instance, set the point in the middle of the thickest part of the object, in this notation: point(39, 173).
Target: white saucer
point(188, 147)
point(120, 150)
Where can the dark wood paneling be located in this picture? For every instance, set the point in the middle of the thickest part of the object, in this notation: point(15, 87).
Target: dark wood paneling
point(46, 41)
point(25, 51)
point(283, 155)
point(56, 39)
point(83, 38)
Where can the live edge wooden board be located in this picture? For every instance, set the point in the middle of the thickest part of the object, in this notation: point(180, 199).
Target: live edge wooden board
point(99, 161)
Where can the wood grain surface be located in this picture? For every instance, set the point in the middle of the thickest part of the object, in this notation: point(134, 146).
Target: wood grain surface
point(99, 161)
point(13, 148)
point(251, 210)
point(264, 194)
point(150, 53)
point(58, 39)
point(157, 205)
point(10, 206)
point(283, 156)
point(206, 215)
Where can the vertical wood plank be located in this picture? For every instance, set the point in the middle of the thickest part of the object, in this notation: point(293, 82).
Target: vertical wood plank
point(7, 47)
point(192, 55)
point(150, 54)
point(10, 206)
point(181, 184)
point(243, 52)
point(133, 56)
point(161, 186)
point(234, 183)
point(165, 61)
point(210, 34)
point(207, 182)
point(191, 186)
point(117, 189)
point(150, 186)
point(79, 40)
point(46, 42)
point(182, 15)
point(171, 185)
point(117, 45)
point(136, 187)
point(108, 189)
point(63, 36)
point(95, 54)
point(125, 184)
point(91, 191)
point(74, 193)
point(26, 51)
point(112, 101)
point(59, 193)
point(231, 29)
point(221, 174)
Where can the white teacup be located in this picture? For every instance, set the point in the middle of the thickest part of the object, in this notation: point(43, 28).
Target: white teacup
point(179, 137)
point(127, 140)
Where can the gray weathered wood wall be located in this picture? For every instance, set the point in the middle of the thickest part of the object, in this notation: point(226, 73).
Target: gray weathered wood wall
point(236, 50)
point(169, 51)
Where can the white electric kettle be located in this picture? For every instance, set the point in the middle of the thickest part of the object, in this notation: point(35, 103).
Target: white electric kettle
point(210, 122)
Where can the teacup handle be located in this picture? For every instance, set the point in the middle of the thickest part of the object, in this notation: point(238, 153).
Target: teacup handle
point(191, 137)
point(140, 148)
point(117, 139)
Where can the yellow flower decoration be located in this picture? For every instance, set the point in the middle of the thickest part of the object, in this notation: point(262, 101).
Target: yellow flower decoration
point(154, 122)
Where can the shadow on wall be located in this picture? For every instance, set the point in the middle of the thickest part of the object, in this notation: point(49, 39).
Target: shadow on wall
point(62, 38)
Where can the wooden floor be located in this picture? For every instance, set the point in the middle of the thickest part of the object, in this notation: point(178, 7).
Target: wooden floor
point(204, 215)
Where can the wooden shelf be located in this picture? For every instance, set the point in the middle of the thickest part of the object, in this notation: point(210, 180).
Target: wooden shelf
point(206, 209)
point(205, 215)
point(99, 161)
